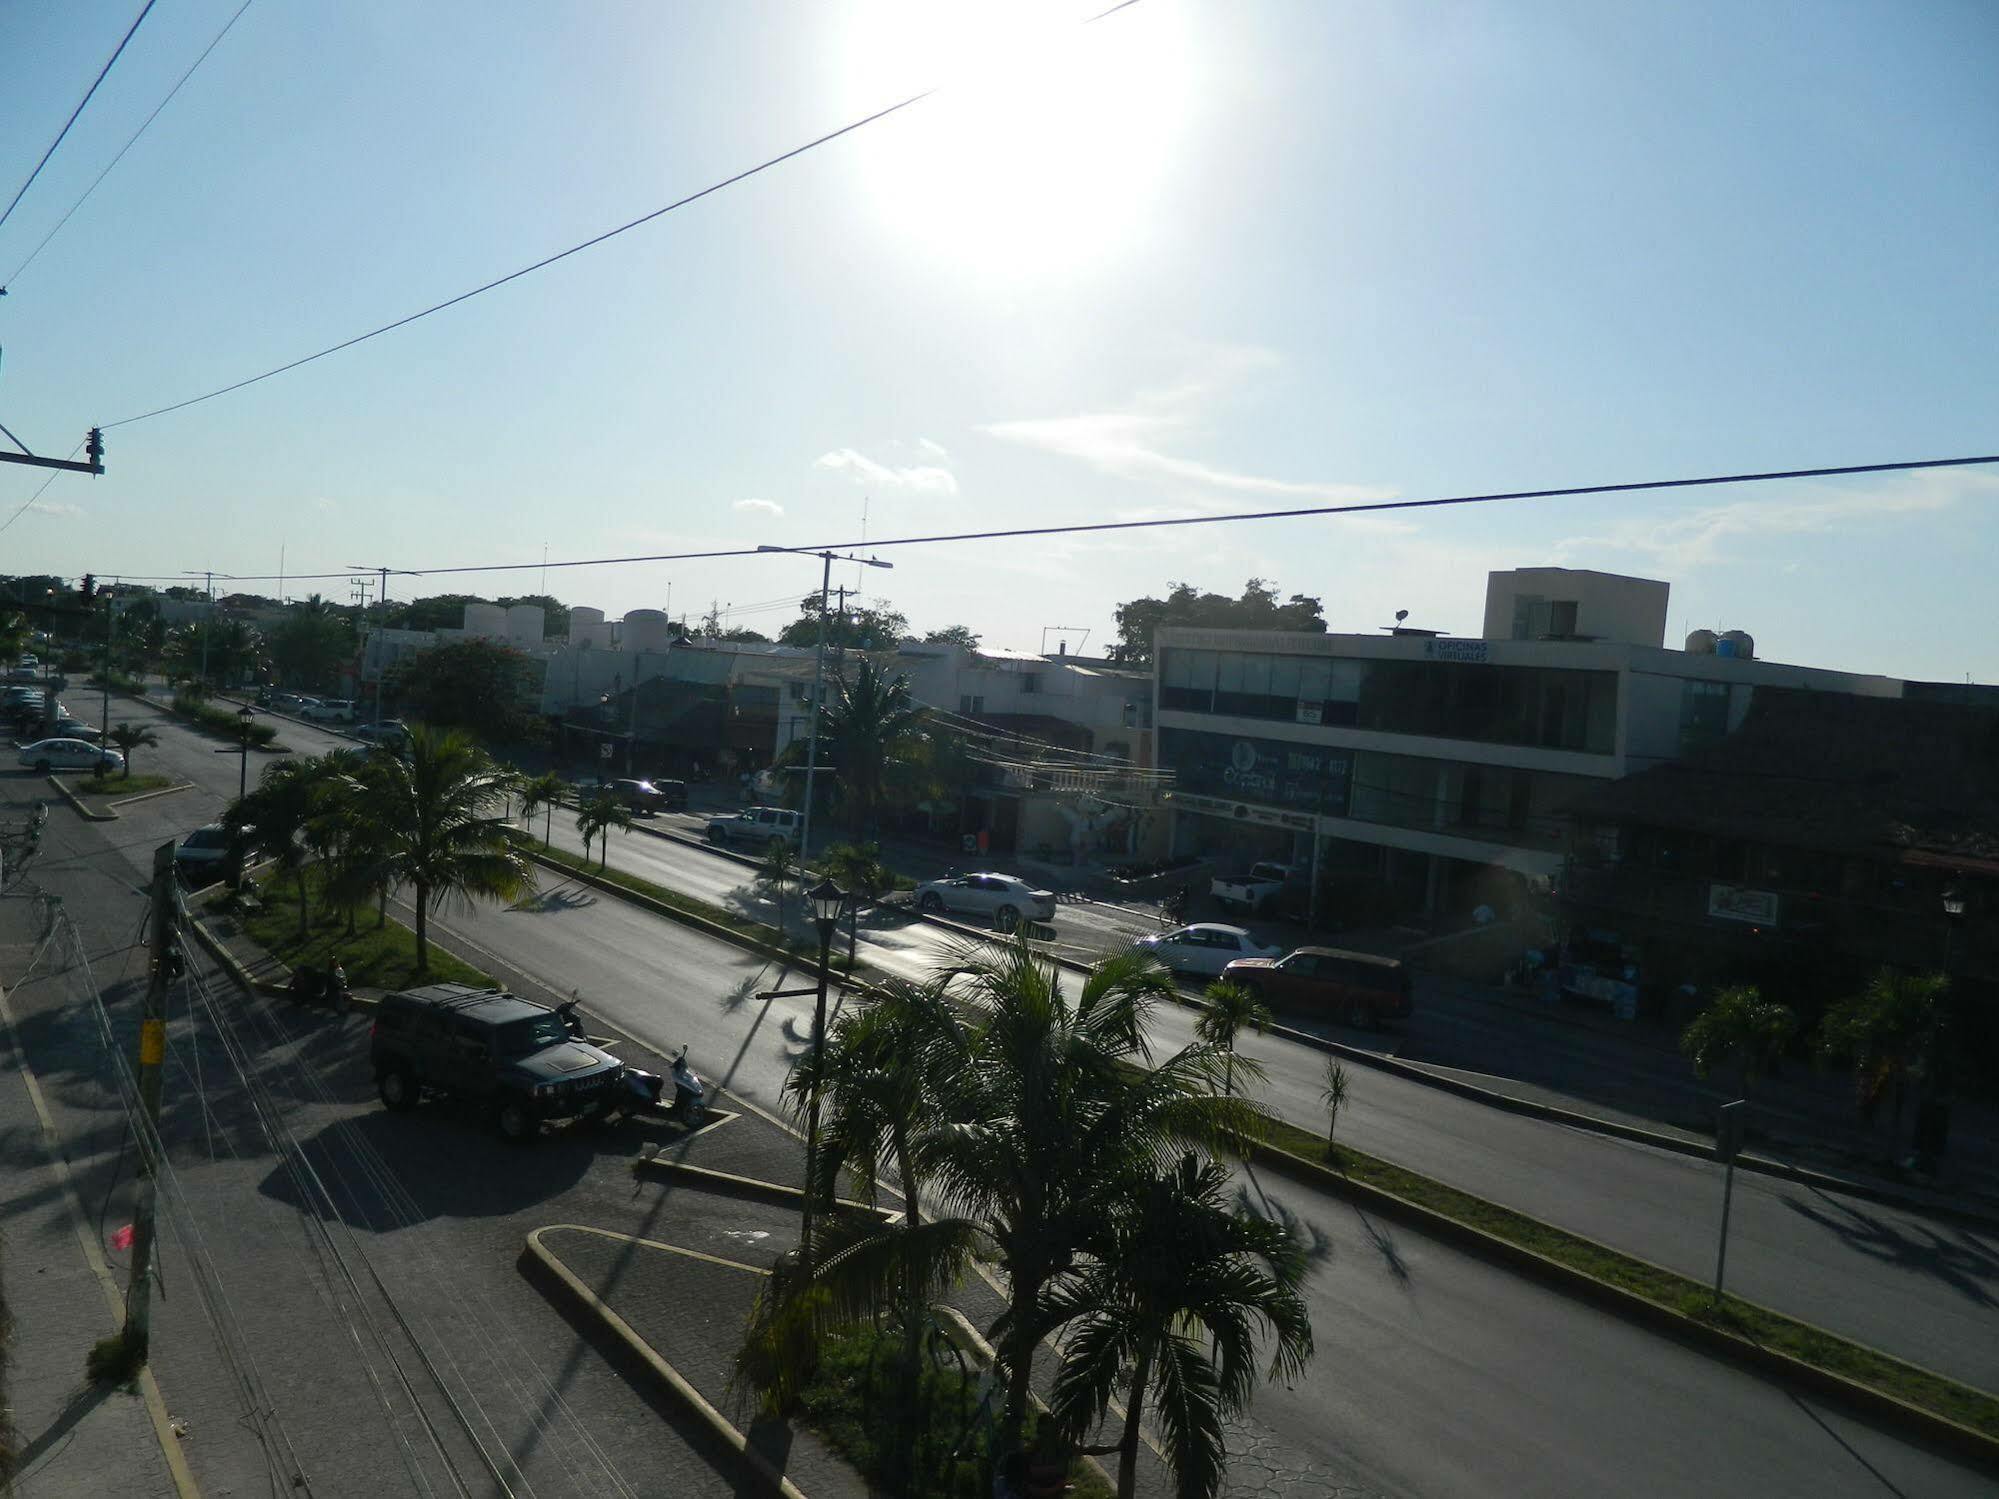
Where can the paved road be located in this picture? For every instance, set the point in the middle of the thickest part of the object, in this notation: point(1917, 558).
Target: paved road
point(1925, 1290)
point(1435, 1375)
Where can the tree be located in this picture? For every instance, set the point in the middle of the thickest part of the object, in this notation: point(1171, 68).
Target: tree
point(1230, 1008)
point(858, 869)
point(1139, 620)
point(233, 651)
point(441, 611)
point(437, 800)
point(595, 819)
point(1739, 1024)
point(712, 628)
point(554, 613)
point(1334, 1097)
point(129, 737)
point(854, 629)
point(870, 721)
point(277, 813)
point(310, 645)
point(479, 686)
point(777, 872)
point(1888, 1034)
point(1170, 1307)
point(541, 794)
point(963, 636)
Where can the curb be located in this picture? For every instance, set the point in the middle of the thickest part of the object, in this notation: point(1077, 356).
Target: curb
point(76, 802)
point(1886, 1410)
point(146, 796)
point(735, 1185)
point(539, 1263)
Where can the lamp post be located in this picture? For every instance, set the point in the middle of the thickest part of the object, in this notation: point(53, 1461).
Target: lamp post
point(243, 717)
point(1953, 913)
point(827, 900)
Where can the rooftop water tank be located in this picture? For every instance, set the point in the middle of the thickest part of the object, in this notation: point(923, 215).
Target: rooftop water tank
point(1701, 643)
point(524, 624)
point(1737, 643)
point(489, 620)
point(645, 630)
point(587, 630)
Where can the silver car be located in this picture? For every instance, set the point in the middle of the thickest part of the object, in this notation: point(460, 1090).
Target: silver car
point(1206, 947)
point(1001, 897)
point(69, 754)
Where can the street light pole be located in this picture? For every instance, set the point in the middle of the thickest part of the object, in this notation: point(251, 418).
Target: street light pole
point(826, 899)
point(243, 717)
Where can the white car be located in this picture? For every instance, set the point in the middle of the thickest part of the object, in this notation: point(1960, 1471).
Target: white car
point(759, 827)
point(1002, 897)
point(46, 755)
point(1206, 947)
point(327, 710)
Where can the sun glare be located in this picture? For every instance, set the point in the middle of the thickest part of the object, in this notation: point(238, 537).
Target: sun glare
point(1048, 141)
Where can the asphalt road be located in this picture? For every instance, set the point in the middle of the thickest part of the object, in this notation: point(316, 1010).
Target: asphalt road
point(1924, 1290)
point(1435, 1373)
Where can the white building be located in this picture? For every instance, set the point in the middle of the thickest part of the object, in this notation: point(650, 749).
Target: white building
point(1439, 768)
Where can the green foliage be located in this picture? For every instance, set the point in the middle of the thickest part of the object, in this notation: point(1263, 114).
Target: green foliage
point(130, 738)
point(963, 636)
point(226, 723)
point(1739, 1024)
point(234, 652)
point(382, 957)
point(115, 1360)
point(310, 645)
point(1888, 1033)
point(854, 629)
point(1334, 1096)
point(1230, 1008)
point(595, 819)
point(479, 686)
point(122, 784)
point(554, 613)
point(1139, 620)
point(871, 722)
point(542, 793)
point(777, 873)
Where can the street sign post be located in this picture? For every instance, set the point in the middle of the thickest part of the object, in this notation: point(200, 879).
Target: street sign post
point(1727, 1146)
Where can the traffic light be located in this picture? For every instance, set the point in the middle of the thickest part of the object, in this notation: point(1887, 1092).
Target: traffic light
point(93, 446)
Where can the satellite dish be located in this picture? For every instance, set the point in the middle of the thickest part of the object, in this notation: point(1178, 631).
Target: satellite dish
point(1400, 615)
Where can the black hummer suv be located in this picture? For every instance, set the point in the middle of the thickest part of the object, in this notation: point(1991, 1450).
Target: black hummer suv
point(520, 1061)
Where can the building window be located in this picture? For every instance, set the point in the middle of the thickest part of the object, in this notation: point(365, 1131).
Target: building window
point(1703, 714)
point(970, 706)
point(1030, 682)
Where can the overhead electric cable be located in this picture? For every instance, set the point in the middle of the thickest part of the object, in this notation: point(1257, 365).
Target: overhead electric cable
point(144, 126)
point(101, 72)
point(576, 249)
point(1306, 512)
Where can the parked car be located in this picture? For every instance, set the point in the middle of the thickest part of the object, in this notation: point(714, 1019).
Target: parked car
point(76, 728)
point(205, 855)
point(758, 826)
point(1265, 886)
point(390, 731)
point(642, 797)
point(520, 1063)
point(673, 795)
point(46, 755)
point(1002, 897)
point(327, 710)
point(1205, 947)
point(290, 702)
point(1355, 987)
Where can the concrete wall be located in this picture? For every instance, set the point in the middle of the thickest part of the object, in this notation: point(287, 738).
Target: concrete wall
point(1609, 606)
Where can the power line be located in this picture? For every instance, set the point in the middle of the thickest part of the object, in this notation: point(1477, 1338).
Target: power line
point(1306, 512)
point(101, 72)
point(128, 144)
point(576, 249)
point(30, 500)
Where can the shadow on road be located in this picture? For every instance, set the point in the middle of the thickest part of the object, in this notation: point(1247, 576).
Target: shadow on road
point(1954, 1256)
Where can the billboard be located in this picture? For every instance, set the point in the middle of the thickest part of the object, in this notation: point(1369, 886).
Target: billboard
point(1270, 772)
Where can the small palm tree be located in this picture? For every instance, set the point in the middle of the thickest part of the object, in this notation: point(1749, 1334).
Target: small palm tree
point(1739, 1024)
point(1230, 1008)
point(1889, 1034)
point(1334, 1096)
point(280, 810)
point(437, 803)
point(132, 736)
point(541, 794)
point(871, 721)
point(1174, 1300)
point(857, 868)
point(596, 818)
point(777, 873)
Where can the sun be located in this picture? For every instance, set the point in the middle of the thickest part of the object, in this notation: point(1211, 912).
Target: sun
point(1045, 147)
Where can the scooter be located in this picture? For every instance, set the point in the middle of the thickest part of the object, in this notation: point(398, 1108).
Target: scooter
point(690, 1094)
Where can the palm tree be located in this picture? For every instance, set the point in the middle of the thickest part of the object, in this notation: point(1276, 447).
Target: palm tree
point(868, 722)
point(1177, 1290)
point(1739, 1023)
point(1334, 1096)
point(131, 736)
point(1230, 1008)
point(363, 868)
point(541, 794)
point(857, 868)
point(777, 872)
point(1045, 1112)
point(279, 810)
point(436, 802)
point(1889, 1033)
point(596, 818)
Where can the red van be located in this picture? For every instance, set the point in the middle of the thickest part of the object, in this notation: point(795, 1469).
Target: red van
point(1355, 987)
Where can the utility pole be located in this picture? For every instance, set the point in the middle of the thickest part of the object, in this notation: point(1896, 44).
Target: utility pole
point(207, 625)
point(381, 597)
point(110, 628)
point(152, 1056)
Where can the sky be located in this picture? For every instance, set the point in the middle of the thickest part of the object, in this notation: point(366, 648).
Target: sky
point(1189, 259)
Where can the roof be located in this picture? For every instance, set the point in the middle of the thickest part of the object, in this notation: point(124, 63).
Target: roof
point(1374, 959)
point(1830, 771)
point(494, 1006)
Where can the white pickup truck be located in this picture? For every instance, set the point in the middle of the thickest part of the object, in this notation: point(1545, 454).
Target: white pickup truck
point(1259, 890)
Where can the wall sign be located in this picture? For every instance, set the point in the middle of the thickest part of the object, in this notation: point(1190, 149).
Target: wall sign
point(1239, 769)
point(1739, 903)
point(1455, 650)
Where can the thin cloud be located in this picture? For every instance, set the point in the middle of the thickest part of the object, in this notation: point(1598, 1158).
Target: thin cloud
point(1134, 441)
point(916, 478)
point(759, 507)
point(1716, 533)
point(54, 507)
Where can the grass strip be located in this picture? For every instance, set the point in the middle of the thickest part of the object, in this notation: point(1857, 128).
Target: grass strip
point(852, 1395)
point(701, 910)
point(1677, 1293)
point(381, 956)
point(122, 785)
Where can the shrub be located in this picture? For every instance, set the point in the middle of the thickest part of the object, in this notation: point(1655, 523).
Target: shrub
point(222, 722)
